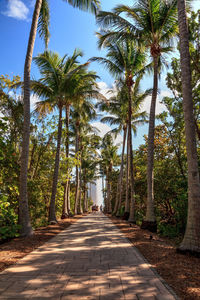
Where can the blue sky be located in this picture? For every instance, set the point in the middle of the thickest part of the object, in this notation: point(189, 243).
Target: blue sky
point(70, 28)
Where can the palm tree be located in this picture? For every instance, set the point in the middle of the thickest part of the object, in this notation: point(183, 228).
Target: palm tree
point(117, 106)
point(41, 13)
point(124, 61)
point(57, 75)
point(89, 160)
point(109, 158)
point(153, 23)
point(40, 22)
point(191, 241)
point(83, 111)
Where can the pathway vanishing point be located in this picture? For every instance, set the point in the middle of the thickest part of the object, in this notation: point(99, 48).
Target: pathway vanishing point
point(89, 260)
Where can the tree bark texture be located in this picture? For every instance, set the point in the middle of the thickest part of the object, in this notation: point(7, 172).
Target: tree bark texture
point(65, 211)
point(132, 199)
point(77, 174)
point(109, 189)
point(120, 182)
point(80, 209)
point(150, 214)
point(127, 203)
point(85, 200)
point(52, 212)
point(24, 218)
point(191, 241)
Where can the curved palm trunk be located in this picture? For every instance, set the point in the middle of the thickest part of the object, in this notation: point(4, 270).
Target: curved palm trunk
point(24, 219)
point(120, 183)
point(191, 241)
point(52, 213)
point(77, 172)
point(65, 209)
point(150, 220)
point(132, 200)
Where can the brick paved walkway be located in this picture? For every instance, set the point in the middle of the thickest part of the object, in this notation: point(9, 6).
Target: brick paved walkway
point(89, 260)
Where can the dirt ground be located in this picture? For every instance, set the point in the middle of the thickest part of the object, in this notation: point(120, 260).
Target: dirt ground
point(12, 251)
point(181, 272)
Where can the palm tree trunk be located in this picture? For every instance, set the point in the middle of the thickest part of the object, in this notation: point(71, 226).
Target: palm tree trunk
point(64, 206)
point(68, 198)
point(65, 211)
point(24, 219)
point(32, 159)
point(77, 173)
point(80, 209)
point(103, 186)
point(120, 183)
point(127, 202)
point(52, 213)
point(150, 220)
point(191, 241)
point(85, 200)
point(132, 200)
point(109, 190)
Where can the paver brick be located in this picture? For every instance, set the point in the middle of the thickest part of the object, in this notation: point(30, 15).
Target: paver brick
point(89, 260)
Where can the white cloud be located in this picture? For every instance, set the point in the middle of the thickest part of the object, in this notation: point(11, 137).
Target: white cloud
point(160, 107)
point(17, 9)
point(103, 129)
point(106, 90)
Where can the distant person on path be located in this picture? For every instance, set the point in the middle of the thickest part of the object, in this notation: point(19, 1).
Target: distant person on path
point(101, 208)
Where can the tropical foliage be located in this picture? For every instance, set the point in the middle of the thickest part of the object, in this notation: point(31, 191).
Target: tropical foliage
point(56, 145)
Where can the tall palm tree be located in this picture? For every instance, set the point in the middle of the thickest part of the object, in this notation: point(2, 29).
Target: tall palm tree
point(41, 14)
point(109, 158)
point(90, 159)
point(40, 22)
point(123, 61)
point(83, 111)
point(117, 106)
point(153, 23)
point(82, 115)
point(57, 75)
point(191, 241)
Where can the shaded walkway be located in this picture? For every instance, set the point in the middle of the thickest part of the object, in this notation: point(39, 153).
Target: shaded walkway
point(89, 260)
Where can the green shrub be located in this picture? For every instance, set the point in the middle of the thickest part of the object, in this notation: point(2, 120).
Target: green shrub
point(8, 220)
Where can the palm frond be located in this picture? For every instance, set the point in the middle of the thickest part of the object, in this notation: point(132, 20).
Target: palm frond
point(43, 22)
point(86, 5)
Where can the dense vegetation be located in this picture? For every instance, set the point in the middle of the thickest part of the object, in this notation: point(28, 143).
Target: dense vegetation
point(149, 185)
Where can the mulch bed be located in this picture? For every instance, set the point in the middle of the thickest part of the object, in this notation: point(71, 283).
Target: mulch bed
point(12, 251)
point(181, 272)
